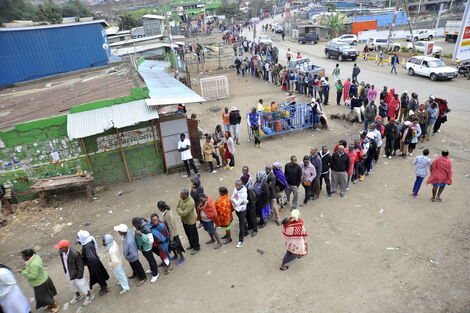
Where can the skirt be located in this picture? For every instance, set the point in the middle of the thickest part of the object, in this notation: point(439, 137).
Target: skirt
point(227, 227)
point(98, 274)
point(45, 293)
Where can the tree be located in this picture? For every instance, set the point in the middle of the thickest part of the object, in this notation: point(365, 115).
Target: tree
point(127, 22)
point(15, 10)
point(49, 12)
point(335, 23)
point(228, 9)
point(331, 6)
point(75, 8)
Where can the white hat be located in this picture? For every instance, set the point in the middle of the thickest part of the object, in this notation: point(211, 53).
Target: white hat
point(322, 79)
point(122, 228)
point(234, 109)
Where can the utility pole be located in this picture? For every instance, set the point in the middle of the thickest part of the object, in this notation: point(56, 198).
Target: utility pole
point(392, 24)
point(441, 5)
point(409, 23)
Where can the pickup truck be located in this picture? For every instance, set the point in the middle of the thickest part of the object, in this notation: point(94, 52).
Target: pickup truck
point(378, 44)
point(452, 29)
point(304, 65)
point(422, 34)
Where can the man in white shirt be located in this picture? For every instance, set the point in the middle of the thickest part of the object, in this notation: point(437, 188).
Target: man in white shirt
point(240, 200)
point(184, 146)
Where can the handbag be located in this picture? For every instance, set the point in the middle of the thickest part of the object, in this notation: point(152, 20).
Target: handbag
point(307, 183)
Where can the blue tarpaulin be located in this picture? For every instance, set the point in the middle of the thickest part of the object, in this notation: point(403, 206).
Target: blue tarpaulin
point(164, 89)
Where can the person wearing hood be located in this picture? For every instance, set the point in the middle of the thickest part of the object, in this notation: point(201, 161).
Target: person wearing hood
point(144, 240)
point(346, 87)
point(131, 253)
point(235, 120)
point(197, 190)
point(12, 298)
point(261, 190)
point(308, 175)
point(185, 208)
point(207, 214)
point(271, 181)
point(161, 241)
point(113, 260)
point(239, 200)
point(98, 274)
point(295, 239)
point(393, 105)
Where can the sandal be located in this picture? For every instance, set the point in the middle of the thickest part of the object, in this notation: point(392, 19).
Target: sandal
point(284, 268)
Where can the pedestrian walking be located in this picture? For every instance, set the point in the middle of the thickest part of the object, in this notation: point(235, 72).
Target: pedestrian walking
point(355, 73)
point(393, 63)
point(380, 57)
point(336, 73)
point(422, 165)
point(295, 239)
point(441, 175)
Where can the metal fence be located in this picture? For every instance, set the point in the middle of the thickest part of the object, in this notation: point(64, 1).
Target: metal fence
point(215, 88)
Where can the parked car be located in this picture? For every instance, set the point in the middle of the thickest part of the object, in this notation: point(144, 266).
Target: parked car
point(430, 67)
point(348, 38)
point(342, 51)
point(264, 39)
point(420, 46)
point(278, 28)
point(309, 38)
point(421, 34)
point(377, 44)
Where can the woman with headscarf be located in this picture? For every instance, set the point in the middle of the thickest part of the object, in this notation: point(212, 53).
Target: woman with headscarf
point(196, 189)
point(281, 184)
point(295, 238)
point(34, 272)
point(261, 190)
point(175, 243)
point(223, 206)
point(98, 274)
point(114, 261)
point(161, 241)
point(393, 107)
point(12, 299)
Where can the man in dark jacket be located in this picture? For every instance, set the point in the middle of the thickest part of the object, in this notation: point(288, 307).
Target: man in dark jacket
point(235, 120)
point(74, 268)
point(370, 113)
point(250, 207)
point(339, 167)
point(316, 161)
point(404, 100)
point(325, 157)
point(271, 180)
point(355, 72)
point(293, 173)
point(391, 135)
point(384, 93)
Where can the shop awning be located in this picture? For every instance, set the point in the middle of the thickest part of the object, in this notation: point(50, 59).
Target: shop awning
point(89, 123)
point(164, 89)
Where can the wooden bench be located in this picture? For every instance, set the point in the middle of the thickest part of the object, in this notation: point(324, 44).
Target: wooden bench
point(67, 181)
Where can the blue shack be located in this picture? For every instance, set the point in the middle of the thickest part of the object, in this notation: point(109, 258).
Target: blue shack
point(28, 53)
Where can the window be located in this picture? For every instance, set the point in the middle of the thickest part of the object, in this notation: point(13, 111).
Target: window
point(425, 64)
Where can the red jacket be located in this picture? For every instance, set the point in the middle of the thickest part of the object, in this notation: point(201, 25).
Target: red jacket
point(209, 209)
point(393, 107)
point(352, 160)
point(441, 171)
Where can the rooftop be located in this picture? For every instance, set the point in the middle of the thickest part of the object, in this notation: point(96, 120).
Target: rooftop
point(57, 94)
point(102, 22)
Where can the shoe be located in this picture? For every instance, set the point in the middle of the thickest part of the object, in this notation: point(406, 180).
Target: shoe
point(278, 223)
point(214, 171)
point(185, 176)
point(355, 181)
point(141, 282)
point(385, 156)
point(194, 251)
point(333, 191)
point(341, 194)
point(239, 244)
point(217, 246)
point(189, 248)
point(227, 241)
point(76, 299)
point(347, 188)
point(88, 300)
point(254, 233)
point(130, 276)
point(200, 225)
point(148, 272)
point(261, 226)
point(389, 156)
point(180, 261)
point(154, 278)
point(329, 196)
point(210, 241)
point(123, 291)
point(103, 291)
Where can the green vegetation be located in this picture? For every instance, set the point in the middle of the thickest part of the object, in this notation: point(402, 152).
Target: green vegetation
point(404, 49)
point(448, 55)
point(11, 10)
point(228, 9)
point(335, 23)
point(127, 21)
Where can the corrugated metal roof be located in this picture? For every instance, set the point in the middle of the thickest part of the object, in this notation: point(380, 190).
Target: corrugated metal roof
point(163, 88)
point(137, 49)
point(102, 22)
point(89, 123)
point(153, 16)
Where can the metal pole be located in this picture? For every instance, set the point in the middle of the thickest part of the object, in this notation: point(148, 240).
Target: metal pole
point(419, 6)
point(439, 14)
point(409, 23)
point(129, 178)
point(86, 154)
point(154, 137)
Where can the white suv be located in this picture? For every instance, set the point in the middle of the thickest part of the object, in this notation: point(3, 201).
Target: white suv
point(430, 67)
point(348, 38)
point(377, 44)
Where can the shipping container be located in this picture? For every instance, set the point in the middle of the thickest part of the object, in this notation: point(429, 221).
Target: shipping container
point(363, 25)
point(33, 52)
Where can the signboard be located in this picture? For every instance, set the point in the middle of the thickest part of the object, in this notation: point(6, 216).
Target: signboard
point(129, 138)
point(429, 48)
point(462, 46)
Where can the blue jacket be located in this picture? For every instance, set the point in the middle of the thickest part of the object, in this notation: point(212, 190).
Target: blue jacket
point(131, 253)
point(254, 118)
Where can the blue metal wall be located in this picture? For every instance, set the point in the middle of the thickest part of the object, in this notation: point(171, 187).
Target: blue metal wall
point(383, 20)
point(31, 53)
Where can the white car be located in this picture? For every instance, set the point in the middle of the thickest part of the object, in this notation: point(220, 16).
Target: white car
point(421, 47)
point(348, 38)
point(264, 39)
point(421, 35)
point(430, 67)
point(378, 44)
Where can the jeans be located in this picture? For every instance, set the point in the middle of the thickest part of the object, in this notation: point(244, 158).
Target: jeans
point(417, 185)
point(326, 96)
point(294, 189)
point(338, 97)
point(366, 123)
point(137, 269)
point(236, 130)
point(187, 164)
point(121, 277)
point(394, 69)
point(288, 257)
point(326, 177)
point(339, 179)
point(255, 131)
point(241, 224)
point(389, 146)
point(153, 264)
point(193, 236)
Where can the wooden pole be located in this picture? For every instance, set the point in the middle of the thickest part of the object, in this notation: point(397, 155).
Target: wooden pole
point(123, 155)
point(154, 137)
point(86, 154)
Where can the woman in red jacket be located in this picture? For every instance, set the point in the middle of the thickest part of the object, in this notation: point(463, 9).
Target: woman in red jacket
point(207, 214)
point(441, 175)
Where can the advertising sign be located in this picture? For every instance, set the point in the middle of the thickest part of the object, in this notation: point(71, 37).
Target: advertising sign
point(429, 47)
point(462, 46)
point(129, 138)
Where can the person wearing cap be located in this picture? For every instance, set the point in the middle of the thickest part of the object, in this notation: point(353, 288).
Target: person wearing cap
point(98, 274)
point(295, 239)
point(391, 135)
point(404, 106)
point(74, 269)
point(431, 100)
point(339, 166)
point(131, 253)
point(441, 175)
point(114, 262)
point(184, 147)
point(235, 120)
point(226, 119)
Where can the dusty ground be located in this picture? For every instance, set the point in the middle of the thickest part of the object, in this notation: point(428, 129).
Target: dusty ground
point(375, 250)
